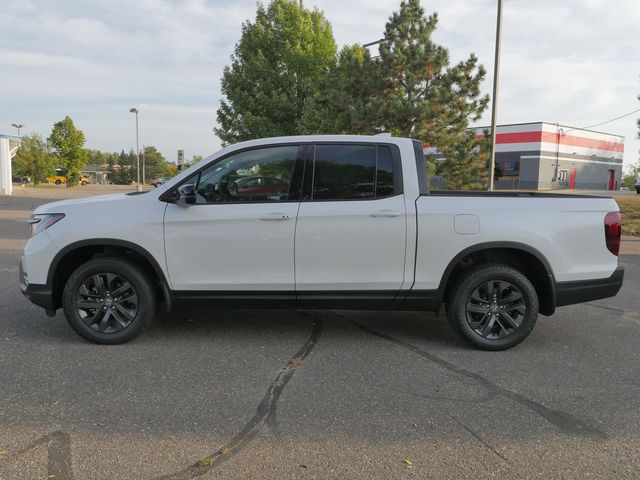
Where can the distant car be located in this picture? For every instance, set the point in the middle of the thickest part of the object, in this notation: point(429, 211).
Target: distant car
point(160, 181)
point(638, 185)
point(257, 186)
point(624, 189)
point(57, 179)
point(60, 179)
point(20, 179)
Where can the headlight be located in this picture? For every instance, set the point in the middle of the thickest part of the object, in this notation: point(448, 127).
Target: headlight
point(43, 221)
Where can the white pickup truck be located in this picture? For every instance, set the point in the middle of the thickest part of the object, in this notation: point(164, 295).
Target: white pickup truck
point(332, 222)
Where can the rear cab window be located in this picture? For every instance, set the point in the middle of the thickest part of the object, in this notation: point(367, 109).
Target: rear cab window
point(358, 171)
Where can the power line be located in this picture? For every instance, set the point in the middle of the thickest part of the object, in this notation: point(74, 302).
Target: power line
point(613, 119)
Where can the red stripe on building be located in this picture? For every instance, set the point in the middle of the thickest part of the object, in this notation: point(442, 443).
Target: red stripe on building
point(584, 142)
point(549, 137)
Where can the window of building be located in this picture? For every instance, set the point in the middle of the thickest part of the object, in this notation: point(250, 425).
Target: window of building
point(562, 176)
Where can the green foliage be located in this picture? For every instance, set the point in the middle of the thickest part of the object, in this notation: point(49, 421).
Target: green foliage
point(121, 168)
point(633, 175)
point(277, 65)
point(170, 169)
point(154, 163)
point(424, 97)
point(33, 159)
point(342, 104)
point(467, 166)
point(66, 143)
point(411, 90)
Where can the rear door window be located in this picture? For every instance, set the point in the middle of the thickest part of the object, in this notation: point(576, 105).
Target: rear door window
point(352, 172)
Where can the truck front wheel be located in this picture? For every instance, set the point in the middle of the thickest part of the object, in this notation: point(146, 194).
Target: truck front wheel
point(109, 300)
point(494, 307)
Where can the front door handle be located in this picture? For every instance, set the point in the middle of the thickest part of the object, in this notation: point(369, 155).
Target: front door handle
point(275, 216)
point(385, 213)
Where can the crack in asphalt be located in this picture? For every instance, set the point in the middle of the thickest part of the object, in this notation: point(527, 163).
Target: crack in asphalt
point(482, 441)
point(625, 313)
point(265, 413)
point(563, 420)
point(58, 454)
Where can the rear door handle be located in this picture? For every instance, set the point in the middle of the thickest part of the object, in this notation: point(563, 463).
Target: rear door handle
point(275, 216)
point(385, 213)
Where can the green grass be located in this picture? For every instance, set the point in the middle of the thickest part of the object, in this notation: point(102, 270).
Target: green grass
point(630, 208)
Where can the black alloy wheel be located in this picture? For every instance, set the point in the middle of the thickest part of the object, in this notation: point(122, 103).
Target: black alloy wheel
point(109, 300)
point(496, 309)
point(106, 302)
point(493, 306)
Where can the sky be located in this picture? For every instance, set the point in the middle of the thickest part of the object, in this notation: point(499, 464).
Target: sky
point(575, 62)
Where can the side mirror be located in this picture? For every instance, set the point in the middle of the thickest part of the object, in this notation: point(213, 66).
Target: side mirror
point(187, 195)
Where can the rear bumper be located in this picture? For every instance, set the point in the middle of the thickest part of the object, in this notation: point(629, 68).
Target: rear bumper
point(568, 293)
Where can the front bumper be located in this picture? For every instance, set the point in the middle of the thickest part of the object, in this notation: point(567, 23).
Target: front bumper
point(569, 293)
point(41, 295)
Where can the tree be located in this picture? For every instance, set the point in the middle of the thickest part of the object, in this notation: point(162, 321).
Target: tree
point(276, 67)
point(121, 167)
point(411, 91)
point(33, 159)
point(426, 98)
point(67, 143)
point(342, 103)
point(154, 163)
point(170, 169)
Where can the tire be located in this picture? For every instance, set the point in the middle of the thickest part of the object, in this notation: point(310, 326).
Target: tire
point(83, 183)
point(126, 315)
point(58, 182)
point(495, 322)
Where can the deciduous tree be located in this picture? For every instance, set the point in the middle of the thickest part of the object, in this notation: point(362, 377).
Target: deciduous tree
point(33, 159)
point(276, 67)
point(67, 145)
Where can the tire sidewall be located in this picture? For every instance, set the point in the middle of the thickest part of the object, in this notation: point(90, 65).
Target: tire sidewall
point(458, 314)
point(129, 272)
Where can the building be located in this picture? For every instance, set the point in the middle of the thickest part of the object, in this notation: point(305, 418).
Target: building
point(550, 156)
point(96, 173)
point(8, 147)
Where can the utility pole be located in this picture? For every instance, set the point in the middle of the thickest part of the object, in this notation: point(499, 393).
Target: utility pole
point(138, 184)
point(494, 102)
point(18, 126)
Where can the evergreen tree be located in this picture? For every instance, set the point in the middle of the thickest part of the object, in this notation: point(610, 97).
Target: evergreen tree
point(423, 96)
point(67, 142)
point(276, 67)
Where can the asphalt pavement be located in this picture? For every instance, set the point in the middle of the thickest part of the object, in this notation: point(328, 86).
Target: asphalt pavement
point(315, 394)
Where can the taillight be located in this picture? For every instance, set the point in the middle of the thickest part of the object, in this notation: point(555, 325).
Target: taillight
point(613, 231)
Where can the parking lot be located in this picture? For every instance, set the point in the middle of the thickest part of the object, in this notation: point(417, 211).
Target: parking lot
point(314, 394)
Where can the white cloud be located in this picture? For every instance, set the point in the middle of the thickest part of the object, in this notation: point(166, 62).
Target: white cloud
point(572, 62)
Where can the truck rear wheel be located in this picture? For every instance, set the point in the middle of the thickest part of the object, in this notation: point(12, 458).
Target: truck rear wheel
point(494, 307)
point(109, 300)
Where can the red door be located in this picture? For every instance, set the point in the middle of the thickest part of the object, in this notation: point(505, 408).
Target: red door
point(612, 179)
point(572, 179)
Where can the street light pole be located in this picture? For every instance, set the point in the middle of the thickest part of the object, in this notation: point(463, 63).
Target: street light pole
point(18, 126)
point(138, 184)
point(494, 100)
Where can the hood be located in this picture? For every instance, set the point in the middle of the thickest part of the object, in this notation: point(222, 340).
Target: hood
point(63, 205)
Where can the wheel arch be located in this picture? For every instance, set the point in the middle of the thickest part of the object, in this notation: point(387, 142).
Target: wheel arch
point(530, 261)
point(74, 254)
